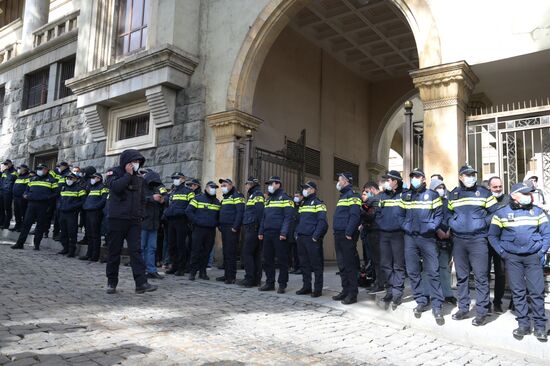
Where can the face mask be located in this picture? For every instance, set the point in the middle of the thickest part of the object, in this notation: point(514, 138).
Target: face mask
point(497, 194)
point(387, 186)
point(40, 172)
point(297, 199)
point(212, 191)
point(93, 181)
point(338, 186)
point(177, 182)
point(370, 195)
point(135, 166)
point(69, 182)
point(416, 182)
point(525, 200)
point(271, 189)
point(305, 193)
point(18, 171)
point(441, 192)
point(469, 182)
point(225, 190)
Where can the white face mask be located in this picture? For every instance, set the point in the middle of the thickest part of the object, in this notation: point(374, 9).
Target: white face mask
point(305, 192)
point(416, 182)
point(339, 186)
point(69, 182)
point(525, 200)
point(497, 194)
point(441, 192)
point(469, 182)
point(177, 182)
point(135, 166)
point(40, 172)
point(225, 190)
point(297, 199)
point(93, 181)
point(387, 186)
point(271, 189)
point(18, 171)
point(212, 191)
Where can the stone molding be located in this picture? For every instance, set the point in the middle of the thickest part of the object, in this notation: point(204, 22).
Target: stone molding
point(96, 117)
point(162, 104)
point(231, 125)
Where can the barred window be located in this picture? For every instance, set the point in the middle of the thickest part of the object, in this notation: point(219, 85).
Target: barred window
point(10, 11)
point(133, 127)
point(36, 92)
point(341, 165)
point(66, 71)
point(133, 18)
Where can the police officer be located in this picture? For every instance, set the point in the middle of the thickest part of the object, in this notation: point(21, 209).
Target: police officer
point(274, 231)
point(72, 198)
point(204, 212)
point(19, 188)
point(389, 217)
point(9, 176)
point(520, 234)
point(93, 207)
point(178, 200)
point(125, 212)
point(231, 218)
point(195, 186)
point(252, 249)
point(59, 173)
point(423, 215)
point(346, 220)
point(310, 231)
point(470, 209)
point(503, 200)
point(42, 189)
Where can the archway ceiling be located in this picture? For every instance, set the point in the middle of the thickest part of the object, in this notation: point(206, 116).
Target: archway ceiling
point(370, 37)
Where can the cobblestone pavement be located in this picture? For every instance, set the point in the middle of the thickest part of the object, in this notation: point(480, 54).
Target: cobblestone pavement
point(54, 310)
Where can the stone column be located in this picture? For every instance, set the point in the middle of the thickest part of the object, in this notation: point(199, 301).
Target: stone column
point(444, 90)
point(229, 127)
point(35, 15)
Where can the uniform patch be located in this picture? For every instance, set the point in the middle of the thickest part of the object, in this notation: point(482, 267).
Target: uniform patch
point(477, 193)
point(511, 217)
point(426, 197)
point(532, 212)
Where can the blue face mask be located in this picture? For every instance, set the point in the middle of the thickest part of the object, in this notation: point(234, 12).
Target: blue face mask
point(525, 200)
point(369, 194)
point(416, 182)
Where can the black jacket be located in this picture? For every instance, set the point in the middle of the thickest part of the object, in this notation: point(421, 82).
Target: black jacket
point(126, 197)
point(152, 208)
point(8, 179)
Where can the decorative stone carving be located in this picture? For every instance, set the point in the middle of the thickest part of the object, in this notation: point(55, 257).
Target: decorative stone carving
point(96, 118)
point(162, 104)
point(233, 124)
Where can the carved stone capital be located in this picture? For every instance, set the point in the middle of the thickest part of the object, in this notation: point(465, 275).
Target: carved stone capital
point(445, 85)
point(231, 125)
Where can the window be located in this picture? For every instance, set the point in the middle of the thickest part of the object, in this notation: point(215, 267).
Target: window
point(133, 127)
point(341, 165)
point(11, 10)
point(49, 159)
point(66, 71)
point(312, 157)
point(133, 18)
point(36, 91)
point(2, 95)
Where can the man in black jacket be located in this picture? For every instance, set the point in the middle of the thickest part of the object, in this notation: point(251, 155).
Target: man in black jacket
point(9, 175)
point(126, 199)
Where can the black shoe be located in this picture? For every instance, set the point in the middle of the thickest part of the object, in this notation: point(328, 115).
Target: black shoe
point(541, 335)
point(220, 279)
point(387, 298)
point(63, 252)
point(229, 281)
point(281, 290)
point(111, 289)
point(396, 302)
point(521, 332)
point(245, 283)
point(146, 287)
point(267, 287)
point(155, 276)
point(192, 277)
point(316, 294)
point(497, 308)
point(179, 273)
point(451, 300)
point(84, 258)
point(438, 316)
point(304, 291)
point(204, 276)
point(350, 299)
point(341, 296)
point(479, 320)
point(459, 315)
point(36, 248)
point(17, 246)
point(419, 309)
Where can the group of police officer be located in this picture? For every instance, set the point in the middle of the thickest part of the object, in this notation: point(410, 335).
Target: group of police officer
point(410, 226)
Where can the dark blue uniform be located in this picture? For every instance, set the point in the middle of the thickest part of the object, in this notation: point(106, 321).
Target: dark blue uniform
point(53, 213)
point(496, 261)
point(423, 216)
point(178, 200)
point(389, 217)
point(310, 230)
point(346, 220)
point(203, 211)
point(276, 220)
point(70, 202)
point(521, 236)
point(252, 249)
point(470, 211)
point(9, 176)
point(93, 207)
point(231, 218)
point(40, 193)
point(20, 203)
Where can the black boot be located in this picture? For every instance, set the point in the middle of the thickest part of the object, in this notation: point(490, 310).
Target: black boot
point(17, 246)
point(341, 296)
point(146, 287)
point(304, 291)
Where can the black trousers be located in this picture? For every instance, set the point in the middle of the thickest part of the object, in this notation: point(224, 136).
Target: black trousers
point(273, 248)
point(19, 207)
point(252, 255)
point(374, 247)
point(36, 212)
point(119, 230)
point(348, 262)
point(294, 254)
point(93, 232)
point(203, 242)
point(311, 261)
point(7, 199)
point(177, 242)
point(68, 223)
point(500, 278)
point(392, 262)
point(230, 241)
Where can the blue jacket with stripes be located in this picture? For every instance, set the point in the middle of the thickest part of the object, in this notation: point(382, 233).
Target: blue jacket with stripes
point(41, 189)
point(254, 208)
point(278, 214)
point(470, 211)
point(312, 219)
point(178, 200)
point(20, 185)
point(96, 198)
point(72, 197)
point(231, 213)
point(347, 215)
point(390, 212)
point(204, 211)
point(423, 211)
